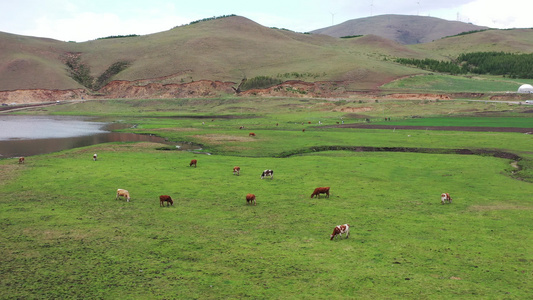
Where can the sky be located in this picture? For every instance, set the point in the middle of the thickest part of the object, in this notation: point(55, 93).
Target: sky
point(83, 20)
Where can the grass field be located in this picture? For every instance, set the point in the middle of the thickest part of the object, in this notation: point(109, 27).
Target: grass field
point(450, 83)
point(67, 237)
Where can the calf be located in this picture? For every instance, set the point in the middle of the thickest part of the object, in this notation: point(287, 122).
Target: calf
point(445, 198)
point(21, 160)
point(250, 198)
point(124, 194)
point(193, 162)
point(167, 199)
point(95, 156)
point(251, 134)
point(320, 190)
point(236, 170)
point(267, 173)
point(339, 230)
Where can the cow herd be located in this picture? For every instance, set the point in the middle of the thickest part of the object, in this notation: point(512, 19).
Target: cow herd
point(251, 198)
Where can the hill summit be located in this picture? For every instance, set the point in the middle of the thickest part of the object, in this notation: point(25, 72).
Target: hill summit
point(403, 29)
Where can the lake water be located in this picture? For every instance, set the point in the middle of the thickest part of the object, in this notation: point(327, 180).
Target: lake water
point(32, 135)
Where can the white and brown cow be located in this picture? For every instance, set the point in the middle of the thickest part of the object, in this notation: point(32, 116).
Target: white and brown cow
point(267, 173)
point(339, 230)
point(236, 170)
point(123, 193)
point(445, 198)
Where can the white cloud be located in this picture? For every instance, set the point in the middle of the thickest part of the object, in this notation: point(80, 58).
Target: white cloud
point(498, 14)
point(89, 26)
point(81, 20)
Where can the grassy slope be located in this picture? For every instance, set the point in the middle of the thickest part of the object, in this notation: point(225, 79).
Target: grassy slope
point(230, 49)
point(402, 28)
point(514, 41)
point(24, 60)
point(210, 244)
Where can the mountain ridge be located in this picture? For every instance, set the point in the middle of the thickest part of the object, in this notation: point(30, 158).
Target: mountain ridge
point(229, 50)
point(403, 29)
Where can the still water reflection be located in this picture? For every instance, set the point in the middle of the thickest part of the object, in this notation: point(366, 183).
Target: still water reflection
point(32, 135)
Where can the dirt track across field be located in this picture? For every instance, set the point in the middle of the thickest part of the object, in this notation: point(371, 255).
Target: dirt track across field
point(448, 128)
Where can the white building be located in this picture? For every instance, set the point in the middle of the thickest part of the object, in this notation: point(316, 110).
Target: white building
point(525, 88)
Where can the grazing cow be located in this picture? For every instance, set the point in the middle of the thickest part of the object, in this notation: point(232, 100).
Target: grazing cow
point(21, 160)
point(236, 170)
point(445, 197)
point(251, 134)
point(250, 198)
point(320, 190)
point(267, 173)
point(193, 162)
point(124, 194)
point(95, 156)
point(303, 130)
point(167, 199)
point(242, 127)
point(339, 230)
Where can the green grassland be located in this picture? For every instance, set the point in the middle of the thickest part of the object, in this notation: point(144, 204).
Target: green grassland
point(65, 236)
point(450, 83)
point(468, 121)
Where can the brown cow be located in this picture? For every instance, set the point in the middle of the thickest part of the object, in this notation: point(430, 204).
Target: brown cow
point(251, 134)
point(236, 170)
point(193, 162)
point(167, 199)
point(250, 198)
point(21, 160)
point(339, 230)
point(320, 190)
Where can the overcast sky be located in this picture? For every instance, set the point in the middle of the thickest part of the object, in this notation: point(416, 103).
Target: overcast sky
point(83, 20)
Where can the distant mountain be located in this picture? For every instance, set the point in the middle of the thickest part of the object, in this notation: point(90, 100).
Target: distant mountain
point(403, 29)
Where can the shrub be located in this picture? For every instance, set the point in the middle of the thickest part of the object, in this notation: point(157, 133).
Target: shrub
point(259, 82)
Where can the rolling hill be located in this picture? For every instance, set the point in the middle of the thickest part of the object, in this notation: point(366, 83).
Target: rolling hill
point(225, 50)
point(400, 28)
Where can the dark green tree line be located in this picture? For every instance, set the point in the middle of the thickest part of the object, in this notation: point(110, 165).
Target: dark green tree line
point(493, 63)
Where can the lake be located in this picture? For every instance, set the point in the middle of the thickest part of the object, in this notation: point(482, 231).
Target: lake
point(32, 135)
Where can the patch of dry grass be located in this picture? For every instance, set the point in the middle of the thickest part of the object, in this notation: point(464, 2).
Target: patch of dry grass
point(9, 172)
point(170, 129)
point(217, 139)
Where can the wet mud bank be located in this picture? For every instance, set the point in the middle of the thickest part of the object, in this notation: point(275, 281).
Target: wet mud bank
point(483, 152)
